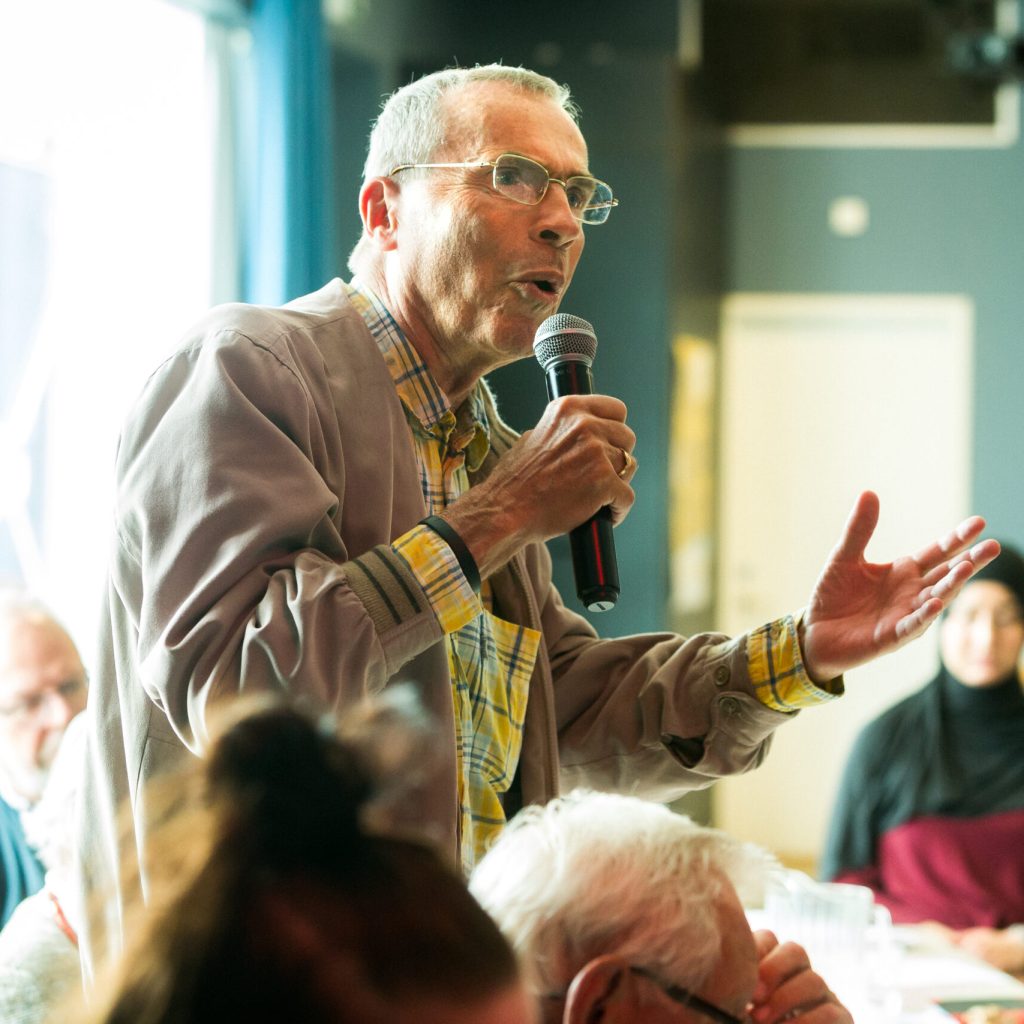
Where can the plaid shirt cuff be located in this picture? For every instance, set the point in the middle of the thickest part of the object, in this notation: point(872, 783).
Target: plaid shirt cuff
point(437, 571)
point(777, 668)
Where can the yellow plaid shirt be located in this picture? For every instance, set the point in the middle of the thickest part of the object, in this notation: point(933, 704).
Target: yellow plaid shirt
point(491, 660)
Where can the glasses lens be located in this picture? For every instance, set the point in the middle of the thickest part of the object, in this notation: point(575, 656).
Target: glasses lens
point(520, 179)
point(525, 181)
point(580, 193)
point(600, 202)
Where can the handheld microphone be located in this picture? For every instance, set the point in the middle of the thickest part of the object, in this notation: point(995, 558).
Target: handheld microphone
point(565, 346)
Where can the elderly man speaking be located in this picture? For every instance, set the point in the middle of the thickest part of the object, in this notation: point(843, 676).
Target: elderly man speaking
point(322, 498)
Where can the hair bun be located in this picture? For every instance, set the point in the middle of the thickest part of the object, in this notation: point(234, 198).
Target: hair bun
point(288, 788)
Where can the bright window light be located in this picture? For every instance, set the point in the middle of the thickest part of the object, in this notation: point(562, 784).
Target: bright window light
point(105, 239)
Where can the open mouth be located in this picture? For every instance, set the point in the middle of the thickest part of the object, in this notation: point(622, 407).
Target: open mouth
point(544, 290)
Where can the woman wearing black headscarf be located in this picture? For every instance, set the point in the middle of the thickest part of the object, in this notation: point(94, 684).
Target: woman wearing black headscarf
point(930, 811)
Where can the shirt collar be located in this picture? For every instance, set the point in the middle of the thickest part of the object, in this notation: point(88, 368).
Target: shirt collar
point(466, 427)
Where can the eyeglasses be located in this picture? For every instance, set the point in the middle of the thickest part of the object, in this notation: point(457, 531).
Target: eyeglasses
point(680, 995)
point(31, 706)
point(686, 998)
point(525, 181)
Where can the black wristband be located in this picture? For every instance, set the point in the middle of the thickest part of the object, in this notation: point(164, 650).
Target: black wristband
point(467, 563)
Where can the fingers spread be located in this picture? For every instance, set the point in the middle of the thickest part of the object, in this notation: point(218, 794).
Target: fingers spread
point(952, 544)
point(859, 527)
point(946, 580)
point(983, 553)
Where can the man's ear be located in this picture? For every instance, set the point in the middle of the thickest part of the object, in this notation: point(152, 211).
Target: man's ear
point(378, 210)
point(603, 992)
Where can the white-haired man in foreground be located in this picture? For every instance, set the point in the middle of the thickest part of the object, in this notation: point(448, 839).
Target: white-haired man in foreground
point(622, 911)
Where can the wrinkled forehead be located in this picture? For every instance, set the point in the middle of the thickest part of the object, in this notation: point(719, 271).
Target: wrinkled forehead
point(488, 118)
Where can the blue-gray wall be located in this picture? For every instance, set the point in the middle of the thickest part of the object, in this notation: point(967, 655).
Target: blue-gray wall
point(941, 221)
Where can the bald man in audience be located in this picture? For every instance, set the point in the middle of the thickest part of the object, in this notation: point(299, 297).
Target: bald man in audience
point(42, 687)
point(623, 912)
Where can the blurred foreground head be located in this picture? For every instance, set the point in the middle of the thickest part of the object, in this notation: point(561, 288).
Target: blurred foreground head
point(619, 909)
point(280, 902)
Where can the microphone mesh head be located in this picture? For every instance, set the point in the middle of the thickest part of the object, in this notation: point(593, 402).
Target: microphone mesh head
point(564, 336)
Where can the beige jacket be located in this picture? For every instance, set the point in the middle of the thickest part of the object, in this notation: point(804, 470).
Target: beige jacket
point(261, 477)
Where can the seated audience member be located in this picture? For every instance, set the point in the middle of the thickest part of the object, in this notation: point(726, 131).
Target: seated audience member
point(38, 946)
point(42, 687)
point(622, 912)
point(275, 900)
point(930, 811)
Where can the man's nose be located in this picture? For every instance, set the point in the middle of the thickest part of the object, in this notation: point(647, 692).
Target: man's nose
point(557, 223)
point(58, 710)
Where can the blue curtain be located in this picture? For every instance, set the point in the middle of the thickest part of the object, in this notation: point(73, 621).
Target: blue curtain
point(287, 209)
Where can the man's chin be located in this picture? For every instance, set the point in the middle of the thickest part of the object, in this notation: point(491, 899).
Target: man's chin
point(26, 783)
point(518, 337)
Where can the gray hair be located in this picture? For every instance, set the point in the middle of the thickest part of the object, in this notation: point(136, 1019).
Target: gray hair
point(19, 608)
point(412, 127)
point(592, 874)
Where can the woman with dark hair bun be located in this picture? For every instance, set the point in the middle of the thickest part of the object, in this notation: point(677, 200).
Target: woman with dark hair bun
point(279, 903)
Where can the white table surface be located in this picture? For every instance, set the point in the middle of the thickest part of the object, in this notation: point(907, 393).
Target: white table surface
point(907, 974)
point(930, 971)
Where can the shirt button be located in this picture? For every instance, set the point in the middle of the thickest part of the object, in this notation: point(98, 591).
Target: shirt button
point(721, 675)
point(730, 706)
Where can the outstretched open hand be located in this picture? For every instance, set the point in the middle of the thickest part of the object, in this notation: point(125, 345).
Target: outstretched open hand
point(859, 609)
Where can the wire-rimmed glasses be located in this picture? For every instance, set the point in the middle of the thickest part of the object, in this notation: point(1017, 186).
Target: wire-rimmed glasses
point(678, 994)
point(525, 181)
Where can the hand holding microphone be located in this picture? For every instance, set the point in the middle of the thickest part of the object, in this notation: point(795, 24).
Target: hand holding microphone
point(565, 347)
point(570, 474)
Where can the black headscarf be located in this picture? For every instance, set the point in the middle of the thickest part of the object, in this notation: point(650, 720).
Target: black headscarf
point(949, 749)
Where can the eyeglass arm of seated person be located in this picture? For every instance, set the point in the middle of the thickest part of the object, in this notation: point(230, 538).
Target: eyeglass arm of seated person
point(677, 994)
point(525, 181)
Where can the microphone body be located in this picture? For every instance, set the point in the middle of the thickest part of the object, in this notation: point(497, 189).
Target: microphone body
point(565, 346)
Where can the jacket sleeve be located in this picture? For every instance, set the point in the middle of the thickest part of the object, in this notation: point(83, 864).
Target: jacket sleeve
point(231, 559)
point(654, 714)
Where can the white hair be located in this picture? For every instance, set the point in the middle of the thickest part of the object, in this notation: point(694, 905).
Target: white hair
point(592, 874)
point(18, 609)
point(18, 605)
point(413, 128)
